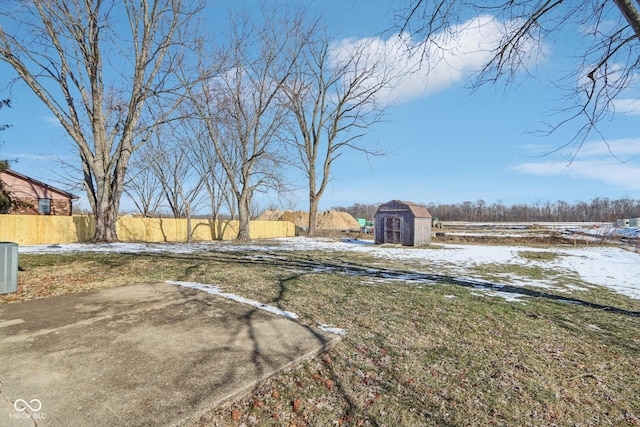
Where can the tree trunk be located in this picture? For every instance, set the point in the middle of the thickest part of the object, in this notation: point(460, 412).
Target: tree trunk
point(243, 217)
point(313, 214)
point(313, 196)
point(188, 221)
point(106, 216)
point(105, 187)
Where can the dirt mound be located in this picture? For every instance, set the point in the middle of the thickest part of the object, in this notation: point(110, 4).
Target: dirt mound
point(270, 215)
point(328, 220)
point(333, 220)
point(299, 218)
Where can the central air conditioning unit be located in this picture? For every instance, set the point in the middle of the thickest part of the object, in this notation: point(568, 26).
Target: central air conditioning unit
point(8, 267)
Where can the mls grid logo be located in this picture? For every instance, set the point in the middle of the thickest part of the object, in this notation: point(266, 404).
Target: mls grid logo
point(30, 409)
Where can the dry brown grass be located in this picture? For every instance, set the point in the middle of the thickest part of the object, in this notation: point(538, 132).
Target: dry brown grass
point(414, 354)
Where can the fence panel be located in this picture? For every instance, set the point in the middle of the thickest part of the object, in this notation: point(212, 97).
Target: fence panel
point(47, 230)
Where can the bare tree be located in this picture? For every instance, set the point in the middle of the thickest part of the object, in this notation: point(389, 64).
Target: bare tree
point(95, 64)
point(170, 161)
point(243, 109)
point(334, 100)
point(208, 167)
point(607, 55)
point(143, 185)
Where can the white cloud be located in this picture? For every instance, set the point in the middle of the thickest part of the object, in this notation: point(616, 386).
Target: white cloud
point(627, 106)
point(596, 161)
point(426, 67)
point(623, 148)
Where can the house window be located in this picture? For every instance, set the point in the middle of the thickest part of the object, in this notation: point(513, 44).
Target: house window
point(44, 206)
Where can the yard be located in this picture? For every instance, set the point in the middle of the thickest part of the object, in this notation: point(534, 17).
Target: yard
point(452, 334)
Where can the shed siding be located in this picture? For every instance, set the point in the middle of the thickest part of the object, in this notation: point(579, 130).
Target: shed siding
point(414, 230)
point(422, 231)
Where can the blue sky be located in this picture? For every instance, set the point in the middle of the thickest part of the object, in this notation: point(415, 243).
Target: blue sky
point(446, 144)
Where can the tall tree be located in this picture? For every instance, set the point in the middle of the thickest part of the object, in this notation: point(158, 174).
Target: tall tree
point(95, 64)
point(333, 98)
point(243, 109)
point(607, 55)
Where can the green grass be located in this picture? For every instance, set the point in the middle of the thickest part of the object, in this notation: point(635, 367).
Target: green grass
point(538, 256)
point(414, 353)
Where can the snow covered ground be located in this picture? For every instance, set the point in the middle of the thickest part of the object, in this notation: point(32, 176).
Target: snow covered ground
point(615, 268)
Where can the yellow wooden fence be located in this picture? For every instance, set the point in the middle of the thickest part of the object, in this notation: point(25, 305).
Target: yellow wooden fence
point(47, 230)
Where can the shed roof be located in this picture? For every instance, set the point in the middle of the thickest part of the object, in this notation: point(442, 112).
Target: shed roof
point(418, 211)
point(40, 184)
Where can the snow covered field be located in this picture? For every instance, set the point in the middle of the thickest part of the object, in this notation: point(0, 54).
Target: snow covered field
point(615, 268)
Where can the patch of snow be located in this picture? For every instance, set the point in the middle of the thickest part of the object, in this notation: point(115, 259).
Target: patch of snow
point(508, 296)
point(626, 232)
point(215, 290)
point(614, 268)
point(356, 241)
point(332, 330)
point(491, 291)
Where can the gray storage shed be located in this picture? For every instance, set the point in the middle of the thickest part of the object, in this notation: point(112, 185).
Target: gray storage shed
point(404, 223)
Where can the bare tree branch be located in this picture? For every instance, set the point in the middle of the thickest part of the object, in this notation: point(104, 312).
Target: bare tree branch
point(608, 60)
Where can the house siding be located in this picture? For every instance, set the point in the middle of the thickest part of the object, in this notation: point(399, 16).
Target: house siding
point(29, 206)
point(26, 192)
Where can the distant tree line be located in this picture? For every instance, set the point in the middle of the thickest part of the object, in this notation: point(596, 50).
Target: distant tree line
point(600, 209)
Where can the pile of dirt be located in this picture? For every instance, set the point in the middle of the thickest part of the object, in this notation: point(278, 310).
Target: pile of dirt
point(270, 215)
point(299, 218)
point(333, 220)
point(328, 220)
